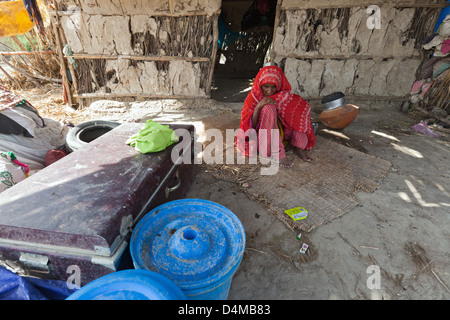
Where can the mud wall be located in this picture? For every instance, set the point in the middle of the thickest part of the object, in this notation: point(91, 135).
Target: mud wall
point(137, 48)
point(362, 48)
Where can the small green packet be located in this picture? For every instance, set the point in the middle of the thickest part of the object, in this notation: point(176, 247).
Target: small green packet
point(297, 214)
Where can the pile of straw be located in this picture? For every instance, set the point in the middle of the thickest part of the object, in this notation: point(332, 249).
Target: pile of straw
point(30, 68)
point(440, 95)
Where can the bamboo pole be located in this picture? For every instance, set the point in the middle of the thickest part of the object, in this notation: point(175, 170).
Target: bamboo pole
point(214, 53)
point(31, 42)
point(71, 69)
point(431, 114)
point(368, 98)
point(171, 6)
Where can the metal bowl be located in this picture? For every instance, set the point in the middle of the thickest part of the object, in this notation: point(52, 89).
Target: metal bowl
point(334, 104)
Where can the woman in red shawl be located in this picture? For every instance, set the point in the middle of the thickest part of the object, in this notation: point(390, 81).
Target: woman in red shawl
point(269, 103)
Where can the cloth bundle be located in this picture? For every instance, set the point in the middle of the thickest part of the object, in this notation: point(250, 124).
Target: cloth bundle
point(24, 132)
point(153, 137)
point(440, 40)
point(435, 69)
point(12, 171)
point(17, 116)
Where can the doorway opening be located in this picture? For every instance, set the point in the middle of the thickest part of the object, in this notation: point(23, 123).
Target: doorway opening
point(245, 38)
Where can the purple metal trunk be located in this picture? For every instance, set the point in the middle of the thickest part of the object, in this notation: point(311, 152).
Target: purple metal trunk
point(80, 210)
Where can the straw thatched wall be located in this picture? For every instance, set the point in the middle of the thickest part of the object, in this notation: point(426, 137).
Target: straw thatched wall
point(329, 46)
point(138, 49)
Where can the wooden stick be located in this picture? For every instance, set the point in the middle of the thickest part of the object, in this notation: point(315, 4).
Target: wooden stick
point(277, 17)
point(367, 247)
point(155, 14)
point(142, 58)
point(62, 61)
point(94, 78)
point(214, 53)
point(7, 74)
point(18, 43)
point(256, 250)
point(340, 57)
point(139, 95)
point(22, 53)
point(352, 5)
point(431, 114)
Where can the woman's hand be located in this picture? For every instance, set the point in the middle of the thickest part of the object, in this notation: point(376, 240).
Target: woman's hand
point(265, 101)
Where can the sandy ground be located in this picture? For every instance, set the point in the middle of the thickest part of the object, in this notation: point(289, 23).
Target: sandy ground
point(394, 246)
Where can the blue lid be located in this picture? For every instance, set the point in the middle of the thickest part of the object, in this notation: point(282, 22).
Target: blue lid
point(193, 242)
point(130, 285)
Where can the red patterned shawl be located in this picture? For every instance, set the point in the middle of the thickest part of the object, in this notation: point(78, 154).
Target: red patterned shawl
point(293, 111)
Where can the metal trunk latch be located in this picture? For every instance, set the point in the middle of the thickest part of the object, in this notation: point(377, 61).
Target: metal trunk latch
point(35, 262)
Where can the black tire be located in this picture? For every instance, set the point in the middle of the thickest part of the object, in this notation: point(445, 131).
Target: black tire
point(86, 132)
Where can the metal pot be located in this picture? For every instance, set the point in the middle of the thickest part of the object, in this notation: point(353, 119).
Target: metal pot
point(334, 104)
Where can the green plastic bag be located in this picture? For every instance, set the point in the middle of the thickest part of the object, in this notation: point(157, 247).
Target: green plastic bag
point(152, 137)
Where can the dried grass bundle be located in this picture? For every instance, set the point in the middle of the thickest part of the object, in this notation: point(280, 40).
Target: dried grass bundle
point(440, 95)
point(30, 70)
point(187, 36)
point(91, 75)
point(419, 257)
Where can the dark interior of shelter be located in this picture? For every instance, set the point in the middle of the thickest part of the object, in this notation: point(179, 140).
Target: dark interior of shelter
point(245, 37)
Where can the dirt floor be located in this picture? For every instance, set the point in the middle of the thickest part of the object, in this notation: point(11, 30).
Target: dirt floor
point(394, 245)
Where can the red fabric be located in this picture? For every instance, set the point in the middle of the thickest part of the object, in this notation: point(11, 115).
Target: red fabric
point(293, 111)
point(268, 122)
point(53, 156)
point(263, 6)
point(297, 139)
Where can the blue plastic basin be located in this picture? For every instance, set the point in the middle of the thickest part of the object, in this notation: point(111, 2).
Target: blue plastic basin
point(198, 244)
point(130, 285)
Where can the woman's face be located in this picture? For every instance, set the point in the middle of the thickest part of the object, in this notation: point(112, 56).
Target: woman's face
point(268, 89)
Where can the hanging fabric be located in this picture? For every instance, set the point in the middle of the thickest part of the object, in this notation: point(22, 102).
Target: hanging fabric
point(14, 19)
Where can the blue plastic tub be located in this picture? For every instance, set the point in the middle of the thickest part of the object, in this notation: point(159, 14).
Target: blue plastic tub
point(130, 285)
point(198, 244)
